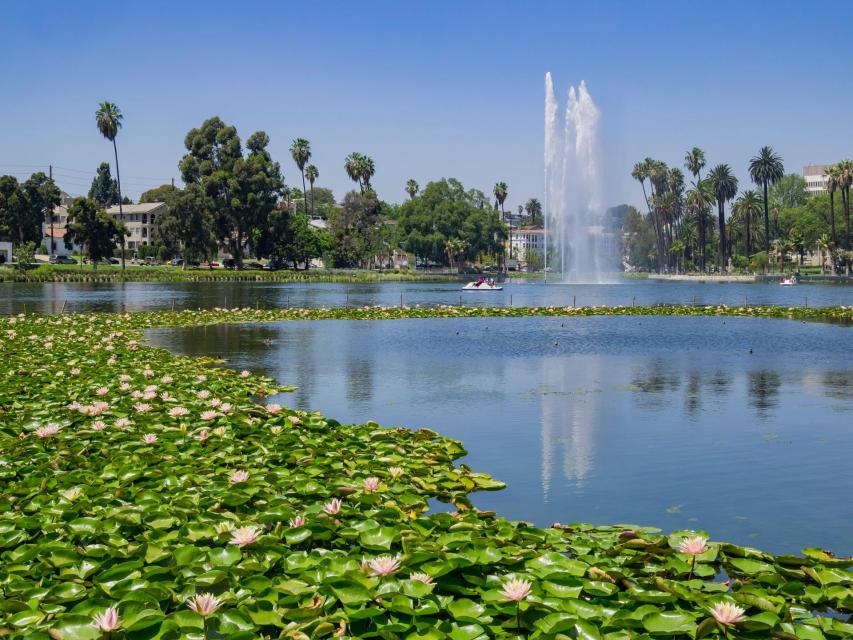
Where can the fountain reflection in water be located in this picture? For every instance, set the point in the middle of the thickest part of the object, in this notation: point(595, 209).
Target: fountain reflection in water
point(578, 247)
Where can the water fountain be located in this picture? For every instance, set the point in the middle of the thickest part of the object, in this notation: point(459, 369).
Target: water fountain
point(578, 247)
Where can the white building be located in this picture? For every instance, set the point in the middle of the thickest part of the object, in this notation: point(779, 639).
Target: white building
point(140, 220)
point(526, 240)
point(6, 250)
point(815, 178)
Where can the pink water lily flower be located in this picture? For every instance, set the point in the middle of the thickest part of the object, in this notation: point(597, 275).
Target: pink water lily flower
point(384, 565)
point(177, 412)
point(209, 415)
point(239, 476)
point(371, 484)
point(201, 377)
point(202, 435)
point(204, 394)
point(75, 371)
point(101, 391)
point(421, 577)
point(107, 621)
point(245, 374)
point(396, 472)
point(99, 425)
point(727, 613)
point(142, 407)
point(296, 521)
point(124, 378)
point(516, 590)
point(694, 546)
point(149, 438)
point(166, 379)
point(332, 507)
point(48, 431)
point(294, 419)
point(147, 373)
point(204, 604)
point(244, 536)
point(273, 408)
point(122, 423)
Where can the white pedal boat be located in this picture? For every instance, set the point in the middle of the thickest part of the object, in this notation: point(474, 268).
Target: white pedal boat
point(473, 286)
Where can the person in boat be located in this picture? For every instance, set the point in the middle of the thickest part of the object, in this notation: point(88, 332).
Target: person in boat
point(490, 282)
point(479, 281)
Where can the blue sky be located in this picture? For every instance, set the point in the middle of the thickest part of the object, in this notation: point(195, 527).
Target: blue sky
point(428, 89)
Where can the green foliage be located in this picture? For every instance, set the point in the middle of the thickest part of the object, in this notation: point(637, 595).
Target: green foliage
point(294, 240)
point(104, 189)
point(25, 255)
point(92, 227)
point(354, 230)
point(789, 191)
point(187, 227)
point(24, 206)
point(94, 516)
point(159, 194)
point(444, 210)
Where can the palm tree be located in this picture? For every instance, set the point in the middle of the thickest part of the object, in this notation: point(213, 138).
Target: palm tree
point(724, 185)
point(825, 243)
point(832, 175)
point(534, 210)
point(352, 165)
point(312, 174)
point(845, 181)
point(300, 149)
point(748, 206)
point(108, 119)
point(412, 188)
point(366, 169)
point(765, 169)
point(694, 162)
point(501, 191)
point(699, 200)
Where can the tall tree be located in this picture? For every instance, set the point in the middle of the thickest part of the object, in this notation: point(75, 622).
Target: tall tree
point(412, 188)
point(354, 230)
point(747, 206)
point(312, 174)
point(244, 189)
point(108, 118)
point(694, 162)
point(699, 200)
point(501, 190)
point(534, 211)
point(42, 195)
point(845, 181)
point(832, 176)
point(300, 150)
point(104, 189)
point(89, 225)
point(724, 185)
point(188, 227)
point(352, 165)
point(159, 194)
point(366, 170)
point(765, 169)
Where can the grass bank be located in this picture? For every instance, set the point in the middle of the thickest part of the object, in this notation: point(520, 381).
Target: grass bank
point(105, 273)
point(133, 482)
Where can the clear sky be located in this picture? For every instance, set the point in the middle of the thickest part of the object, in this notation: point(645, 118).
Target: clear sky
point(429, 89)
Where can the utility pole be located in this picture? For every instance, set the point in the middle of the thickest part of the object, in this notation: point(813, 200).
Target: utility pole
point(50, 173)
point(173, 183)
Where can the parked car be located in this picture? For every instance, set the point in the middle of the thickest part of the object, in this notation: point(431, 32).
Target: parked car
point(61, 260)
point(252, 265)
point(229, 263)
point(209, 265)
point(275, 264)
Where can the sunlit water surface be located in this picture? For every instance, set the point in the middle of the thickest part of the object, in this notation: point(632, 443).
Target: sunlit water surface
point(662, 421)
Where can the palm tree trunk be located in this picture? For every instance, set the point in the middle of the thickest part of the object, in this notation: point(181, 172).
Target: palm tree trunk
point(702, 240)
point(120, 210)
point(832, 213)
point(304, 200)
point(766, 222)
point(312, 198)
point(722, 222)
point(748, 247)
point(846, 194)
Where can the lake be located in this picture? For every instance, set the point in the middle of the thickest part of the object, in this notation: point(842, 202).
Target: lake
point(663, 421)
point(78, 297)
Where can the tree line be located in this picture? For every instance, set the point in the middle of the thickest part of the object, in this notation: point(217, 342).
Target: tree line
point(684, 228)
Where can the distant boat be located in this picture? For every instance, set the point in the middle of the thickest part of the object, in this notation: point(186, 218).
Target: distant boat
point(482, 286)
point(789, 282)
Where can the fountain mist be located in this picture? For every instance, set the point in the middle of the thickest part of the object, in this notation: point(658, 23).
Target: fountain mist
point(577, 245)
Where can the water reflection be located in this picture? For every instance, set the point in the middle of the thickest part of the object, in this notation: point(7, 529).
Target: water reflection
point(596, 419)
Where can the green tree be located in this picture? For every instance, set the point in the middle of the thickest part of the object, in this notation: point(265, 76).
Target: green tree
point(412, 188)
point(104, 189)
point(187, 227)
point(108, 119)
point(312, 173)
point(789, 191)
point(748, 206)
point(25, 255)
point(694, 162)
point(533, 208)
point(159, 194)
point(352, 165)
point(845, 180)
point(766, 169)
point(832, 175)
point(300, 151)
point(724, 185)
point(501, 191)
point(354, 229)
point(42, 195)
point(93, 228)
point(23, 206)
point(699, 200)
point(244, 189)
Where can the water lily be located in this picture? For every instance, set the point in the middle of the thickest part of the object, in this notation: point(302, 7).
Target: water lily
point(149, 438)
point(421, 577)
point(214, 402)
point(296, 521)
point(275, 429)
point(201, 377)
point(147, 373)
point(244, 536)
point(273, 408)
point(71, 494)
point(101, 391)
point(48, 431)
point(396, 472)
point(209, 415)
point(142, 407)
point(204, 604)
point(219, 431)
point(294, 419)
point(124, 378)
point(99, 425)
point(695, 546)
point(239, 476)
point(516, 590)
point(332, 507)
point(75, 371)
point(177, 412)
point(107, 621)
point(204, 394)
point(122, 423)
point(370, 484)
point(166, 379)
point(245, 374)
point(202, 435)
point(727, 613)
point(384, 565)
